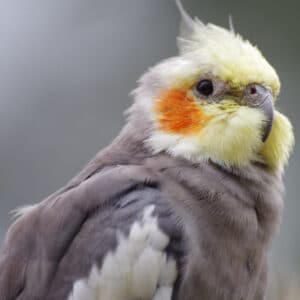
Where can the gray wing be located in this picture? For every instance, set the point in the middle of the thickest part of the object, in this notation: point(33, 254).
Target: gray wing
point(114, 236)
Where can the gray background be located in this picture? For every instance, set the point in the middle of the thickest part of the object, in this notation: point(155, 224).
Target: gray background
point(67, 66)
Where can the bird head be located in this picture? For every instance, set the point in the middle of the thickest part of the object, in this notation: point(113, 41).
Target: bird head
point(215, 100)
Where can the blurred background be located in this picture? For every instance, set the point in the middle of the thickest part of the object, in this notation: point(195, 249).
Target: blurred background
point(67, 67)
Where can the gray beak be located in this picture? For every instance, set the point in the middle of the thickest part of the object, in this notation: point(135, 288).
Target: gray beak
point(256, 95)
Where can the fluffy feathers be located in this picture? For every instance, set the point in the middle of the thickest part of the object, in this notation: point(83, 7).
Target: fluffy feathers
point(277, 149)
point(224, 130)
point(230, 139)
point(224, 53)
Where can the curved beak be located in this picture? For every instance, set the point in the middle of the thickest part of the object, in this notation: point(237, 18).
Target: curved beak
point(268, 109)
point(259, 96)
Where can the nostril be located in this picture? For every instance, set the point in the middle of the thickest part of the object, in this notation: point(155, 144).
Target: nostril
point(253, 90)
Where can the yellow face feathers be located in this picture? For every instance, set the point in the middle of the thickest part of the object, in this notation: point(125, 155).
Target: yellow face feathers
point(277, 148)
point(225, 132)
point(233, 137)
point(229, 134)
point(217, 123)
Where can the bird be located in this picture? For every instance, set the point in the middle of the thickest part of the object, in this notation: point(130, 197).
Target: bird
point(185, 201)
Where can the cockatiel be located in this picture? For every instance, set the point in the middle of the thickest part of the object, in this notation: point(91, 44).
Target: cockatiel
point(185, 201)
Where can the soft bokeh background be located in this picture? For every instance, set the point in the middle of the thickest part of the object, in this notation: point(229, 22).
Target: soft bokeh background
point(67, 67)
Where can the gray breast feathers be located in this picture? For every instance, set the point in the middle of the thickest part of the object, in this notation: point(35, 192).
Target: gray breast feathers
point(164, 229)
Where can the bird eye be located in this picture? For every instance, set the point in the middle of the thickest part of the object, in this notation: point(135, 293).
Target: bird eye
point(205, 87)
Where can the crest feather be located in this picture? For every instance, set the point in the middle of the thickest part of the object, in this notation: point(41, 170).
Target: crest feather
point(187, 23)
point(224, 53)
point(231, 26)
point(194, 33)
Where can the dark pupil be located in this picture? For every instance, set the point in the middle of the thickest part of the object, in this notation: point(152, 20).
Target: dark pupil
point(205, 87)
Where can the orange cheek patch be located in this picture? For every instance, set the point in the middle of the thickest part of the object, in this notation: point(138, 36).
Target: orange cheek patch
point(179, 113)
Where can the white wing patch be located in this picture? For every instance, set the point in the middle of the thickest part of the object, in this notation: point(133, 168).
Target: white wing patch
point(137, 269)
